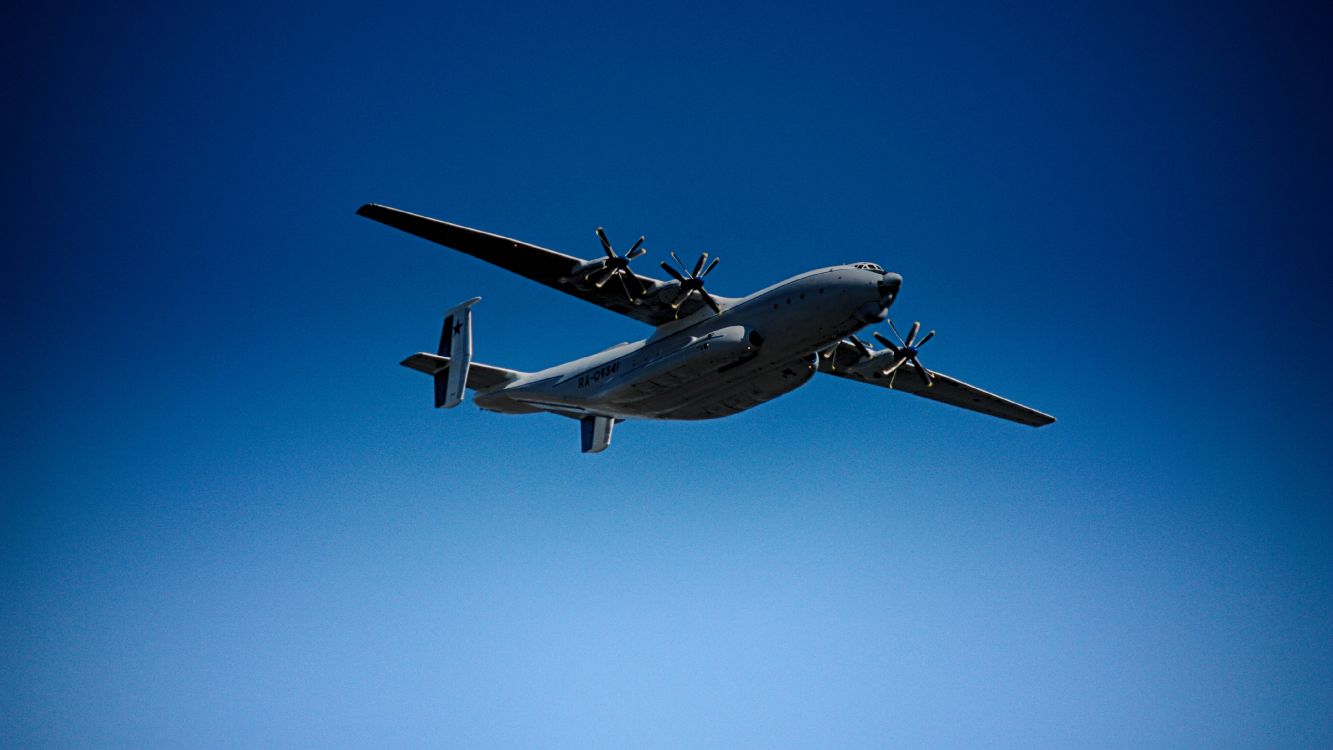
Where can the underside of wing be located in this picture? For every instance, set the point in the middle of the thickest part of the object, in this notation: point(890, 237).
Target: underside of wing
point(648, 304)
point(842, 360)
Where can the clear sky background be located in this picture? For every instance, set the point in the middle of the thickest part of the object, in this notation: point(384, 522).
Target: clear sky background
point(230, 519)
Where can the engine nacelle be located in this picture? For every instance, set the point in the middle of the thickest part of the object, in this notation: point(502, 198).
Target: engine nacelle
point(578, 276)
point(870, 368)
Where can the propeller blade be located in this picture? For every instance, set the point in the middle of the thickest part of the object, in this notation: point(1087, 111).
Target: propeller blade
point(636, 252)
point(708, 300)
point(683, 267)
point(674, 273)
point(881, 338)
point(894, 328)
point(605, 278)
point(710, 268)
point(916, 327)
point(924, 373)
point(606, 244)
point(699, 265)
point(924, 339)
point(638, 288)
point(628, 294)
point(861, 347)
point(892, 368)
point(680, 299)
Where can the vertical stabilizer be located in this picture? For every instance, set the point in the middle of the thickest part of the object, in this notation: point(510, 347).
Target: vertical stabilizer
point(456, 344)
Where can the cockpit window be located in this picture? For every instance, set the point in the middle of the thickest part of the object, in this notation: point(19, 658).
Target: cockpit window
point(869, 267)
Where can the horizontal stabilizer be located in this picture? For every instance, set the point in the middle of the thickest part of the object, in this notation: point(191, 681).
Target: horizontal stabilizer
point(596, 433)
point(479, 376)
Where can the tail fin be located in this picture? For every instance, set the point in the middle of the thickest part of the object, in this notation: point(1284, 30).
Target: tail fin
point(452, 365)
point(456, 343)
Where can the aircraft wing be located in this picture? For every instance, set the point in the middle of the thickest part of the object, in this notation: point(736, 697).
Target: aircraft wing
point(537, 263)
point(947, 390)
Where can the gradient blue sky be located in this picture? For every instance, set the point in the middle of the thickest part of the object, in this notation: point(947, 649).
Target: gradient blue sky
point(231, 520)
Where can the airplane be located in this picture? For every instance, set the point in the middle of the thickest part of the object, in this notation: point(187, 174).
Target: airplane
point(708, 356)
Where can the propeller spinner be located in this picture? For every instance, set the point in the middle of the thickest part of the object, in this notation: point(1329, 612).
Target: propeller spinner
point(617, 266)
point(903, 352)
point(692, 281)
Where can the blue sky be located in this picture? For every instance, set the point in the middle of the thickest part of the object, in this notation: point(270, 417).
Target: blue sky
point(232, 520)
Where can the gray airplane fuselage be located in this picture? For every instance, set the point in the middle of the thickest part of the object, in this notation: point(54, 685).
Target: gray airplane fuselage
point(707, 366)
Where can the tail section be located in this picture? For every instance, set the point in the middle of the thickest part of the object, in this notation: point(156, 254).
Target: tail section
point(480, 377)
point(453, 370)
point(456, 343)
point(452, 366)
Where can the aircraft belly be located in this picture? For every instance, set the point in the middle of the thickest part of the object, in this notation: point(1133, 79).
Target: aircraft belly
point(731, 392)
point(502, 403)
point(771, 350)
point(785, 362)
point(706, 388)
point(688, 375)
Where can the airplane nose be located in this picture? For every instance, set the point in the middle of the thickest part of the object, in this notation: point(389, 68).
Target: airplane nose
point(888, 286)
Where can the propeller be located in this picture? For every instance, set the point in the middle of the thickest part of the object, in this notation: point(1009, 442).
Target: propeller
point(617, 266)
point(903, 352)
point(692, 281)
